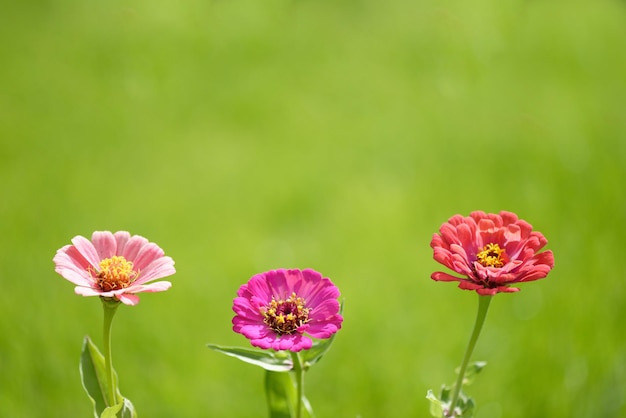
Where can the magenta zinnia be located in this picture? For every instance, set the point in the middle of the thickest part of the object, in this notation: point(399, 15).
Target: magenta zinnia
point(274, 309)
point(115, 266)
point(490, 252)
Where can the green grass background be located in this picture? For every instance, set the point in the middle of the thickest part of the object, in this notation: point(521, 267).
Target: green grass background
point(244, 135)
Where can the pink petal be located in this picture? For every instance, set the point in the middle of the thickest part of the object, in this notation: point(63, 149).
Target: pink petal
point(121, 238)
point(133, 246)
point(87, 291)
point(72, 269)
point(147, 254)
point(75, 277)
point(158, 269)
point(128, 299)
point(87, 250)
point(104, 243)
point(150, 288)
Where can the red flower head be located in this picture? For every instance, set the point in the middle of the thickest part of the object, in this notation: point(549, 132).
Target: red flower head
point(491, 252)
point(274, 309)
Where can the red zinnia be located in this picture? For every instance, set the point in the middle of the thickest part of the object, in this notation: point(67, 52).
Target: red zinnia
point(491, 252)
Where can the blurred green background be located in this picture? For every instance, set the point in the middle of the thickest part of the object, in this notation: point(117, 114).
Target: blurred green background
point(244, 135)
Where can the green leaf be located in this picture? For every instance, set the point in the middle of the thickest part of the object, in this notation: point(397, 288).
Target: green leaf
point(111, 411)
point(308, 409)
point(95, 382)
point(436, 408)
point(281, 393)
point(472, 370)
point(93, 375)
point(124, 409)
point(439, 406)
point(269, 360)
point(129, 409)
point(316, 352)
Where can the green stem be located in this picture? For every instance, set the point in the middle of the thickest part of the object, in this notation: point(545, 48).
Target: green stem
point(299, 372)
point(483, 307)
point(110, 308)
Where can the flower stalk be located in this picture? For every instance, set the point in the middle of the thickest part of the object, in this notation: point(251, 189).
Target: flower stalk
point(483, 307)
point(299, 373)
point(109, 308)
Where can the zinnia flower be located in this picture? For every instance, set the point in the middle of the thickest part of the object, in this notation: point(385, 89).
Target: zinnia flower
point(274, 309)
point(115, 266)
point(490, 252)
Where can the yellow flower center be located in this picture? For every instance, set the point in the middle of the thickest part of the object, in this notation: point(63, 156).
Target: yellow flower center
point(492, 256)
point(115, 273)
point(286, 316)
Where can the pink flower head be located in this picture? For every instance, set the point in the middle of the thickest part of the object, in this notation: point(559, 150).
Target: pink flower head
point(114, 266)
point(491, 252)
point(274, 309)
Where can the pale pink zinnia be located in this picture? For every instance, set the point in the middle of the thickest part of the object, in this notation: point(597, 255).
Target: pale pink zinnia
point(115, 266)
point(274, 309)
point(491, 252)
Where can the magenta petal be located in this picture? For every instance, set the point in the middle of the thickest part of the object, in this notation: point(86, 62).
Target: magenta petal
point(278, 284)
point(326, 290)
point(285, 342)
point(252, 330)
point(324, 329)
point(264, 343)
point(259, 287)
point(242, 307)
point(282, 290)
point(325, 309)
point(301, 343)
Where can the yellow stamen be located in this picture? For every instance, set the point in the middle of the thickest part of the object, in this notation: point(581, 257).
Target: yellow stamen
point(492, 256)
point(285, 316)
point(115, 273)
